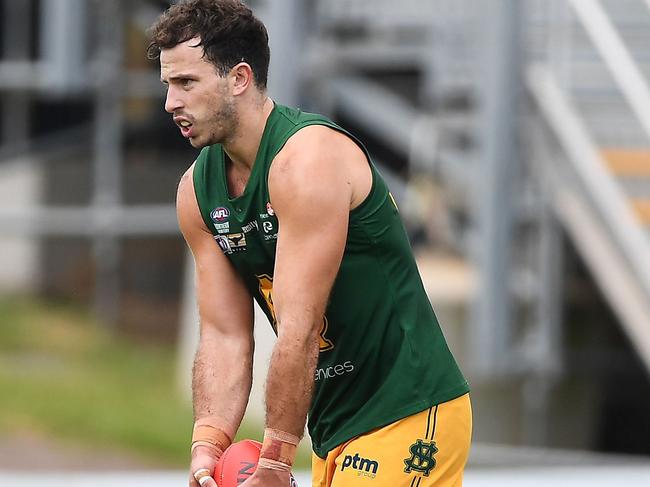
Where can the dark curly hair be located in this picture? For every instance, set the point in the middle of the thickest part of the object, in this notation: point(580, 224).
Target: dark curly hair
point(228, 31)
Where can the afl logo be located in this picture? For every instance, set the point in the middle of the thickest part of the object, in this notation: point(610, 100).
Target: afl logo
point(219, 214)
point(269, 209)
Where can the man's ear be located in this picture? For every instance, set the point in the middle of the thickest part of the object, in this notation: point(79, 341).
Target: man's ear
point(242, 78)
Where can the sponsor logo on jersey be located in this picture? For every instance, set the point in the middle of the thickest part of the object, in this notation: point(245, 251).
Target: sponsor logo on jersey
point(237, 241)
point(250, 226)
point(421, 459)
point(222, 227)
point(231, 243)
point(336, 370)
point(269, 231)
point(365, 467)
point(220, 214)
point(267, 224)
point(222, 241)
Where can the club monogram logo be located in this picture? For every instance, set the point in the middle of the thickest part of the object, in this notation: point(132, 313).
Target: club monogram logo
point(421, 460)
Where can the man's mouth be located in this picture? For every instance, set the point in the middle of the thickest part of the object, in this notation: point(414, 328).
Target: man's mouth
point(185, 126)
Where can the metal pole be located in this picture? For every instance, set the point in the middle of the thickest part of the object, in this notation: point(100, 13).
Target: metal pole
point(188, 337)
point(496, 184)
point(544, 342)
point(285, 20)
point(62, 43)
point(549, 307)
point(16, 30)
point(108, 157)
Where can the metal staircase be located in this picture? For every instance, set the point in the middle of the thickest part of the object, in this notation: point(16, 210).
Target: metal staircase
point(604, 70)
point(595, 98)
point(596, 183)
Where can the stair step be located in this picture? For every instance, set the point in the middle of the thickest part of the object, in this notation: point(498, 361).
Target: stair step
point(642, 210)
point(628, 162)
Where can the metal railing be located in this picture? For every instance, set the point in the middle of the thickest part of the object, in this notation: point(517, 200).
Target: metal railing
point(617, 57)
point(597, 214)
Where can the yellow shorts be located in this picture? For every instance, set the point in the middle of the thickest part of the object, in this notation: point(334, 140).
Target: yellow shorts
point(429, 448)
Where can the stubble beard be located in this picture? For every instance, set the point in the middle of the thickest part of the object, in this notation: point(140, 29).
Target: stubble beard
point(222, 126)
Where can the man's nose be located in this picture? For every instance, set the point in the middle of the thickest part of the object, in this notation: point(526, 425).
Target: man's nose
point(172, 100)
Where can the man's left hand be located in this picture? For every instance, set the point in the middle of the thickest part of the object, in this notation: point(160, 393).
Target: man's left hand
point(265, 477)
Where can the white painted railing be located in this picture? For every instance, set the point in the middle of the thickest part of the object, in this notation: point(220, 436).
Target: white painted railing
point(617, 57)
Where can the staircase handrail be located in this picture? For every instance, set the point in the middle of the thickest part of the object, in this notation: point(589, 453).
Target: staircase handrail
point(617, 57)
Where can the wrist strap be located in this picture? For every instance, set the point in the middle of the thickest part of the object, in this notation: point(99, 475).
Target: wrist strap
point(209, 431)
point(279, 447)
point(273, 465)
point(217, 450)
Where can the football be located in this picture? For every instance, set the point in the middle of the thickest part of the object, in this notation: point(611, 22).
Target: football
point(238, 462)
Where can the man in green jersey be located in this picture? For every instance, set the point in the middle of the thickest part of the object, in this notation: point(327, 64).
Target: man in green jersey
point(286, 208)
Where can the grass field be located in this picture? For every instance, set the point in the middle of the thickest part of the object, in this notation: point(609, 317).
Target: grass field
point(64, 377)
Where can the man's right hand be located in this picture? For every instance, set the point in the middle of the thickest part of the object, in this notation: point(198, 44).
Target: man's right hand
point(204, 459)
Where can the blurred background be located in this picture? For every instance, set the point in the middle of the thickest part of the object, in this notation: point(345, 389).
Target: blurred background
point(515, 135)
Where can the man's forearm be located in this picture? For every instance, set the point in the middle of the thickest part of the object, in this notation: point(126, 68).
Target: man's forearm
point(221, 379)
point(290, 383)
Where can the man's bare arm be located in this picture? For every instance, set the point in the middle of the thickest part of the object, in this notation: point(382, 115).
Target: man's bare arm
point(312, 188)
point(222, 373)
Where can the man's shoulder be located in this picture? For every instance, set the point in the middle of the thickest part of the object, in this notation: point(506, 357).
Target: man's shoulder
point(314, 143)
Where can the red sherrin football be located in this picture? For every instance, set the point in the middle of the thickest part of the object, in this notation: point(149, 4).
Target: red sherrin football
point(238, 462)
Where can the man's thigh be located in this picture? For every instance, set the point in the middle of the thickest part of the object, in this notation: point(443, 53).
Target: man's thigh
point(429, 448)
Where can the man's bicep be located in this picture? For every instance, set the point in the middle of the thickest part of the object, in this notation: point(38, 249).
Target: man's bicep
point(225, 305)
point(312, 205)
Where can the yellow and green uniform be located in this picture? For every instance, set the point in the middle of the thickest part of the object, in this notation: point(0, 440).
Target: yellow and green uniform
point(383, 356)
point(426, 449)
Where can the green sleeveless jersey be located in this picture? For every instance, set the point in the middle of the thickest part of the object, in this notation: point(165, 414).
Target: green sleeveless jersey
point(382, 354)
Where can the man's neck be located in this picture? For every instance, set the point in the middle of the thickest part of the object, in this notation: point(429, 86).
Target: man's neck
point(242, 148)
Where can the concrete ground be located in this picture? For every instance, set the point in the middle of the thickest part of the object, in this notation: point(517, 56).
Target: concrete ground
point(39, 462)
point(605, 476)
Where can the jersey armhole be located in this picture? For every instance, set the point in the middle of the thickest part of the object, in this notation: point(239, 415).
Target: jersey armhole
point(373, 170)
